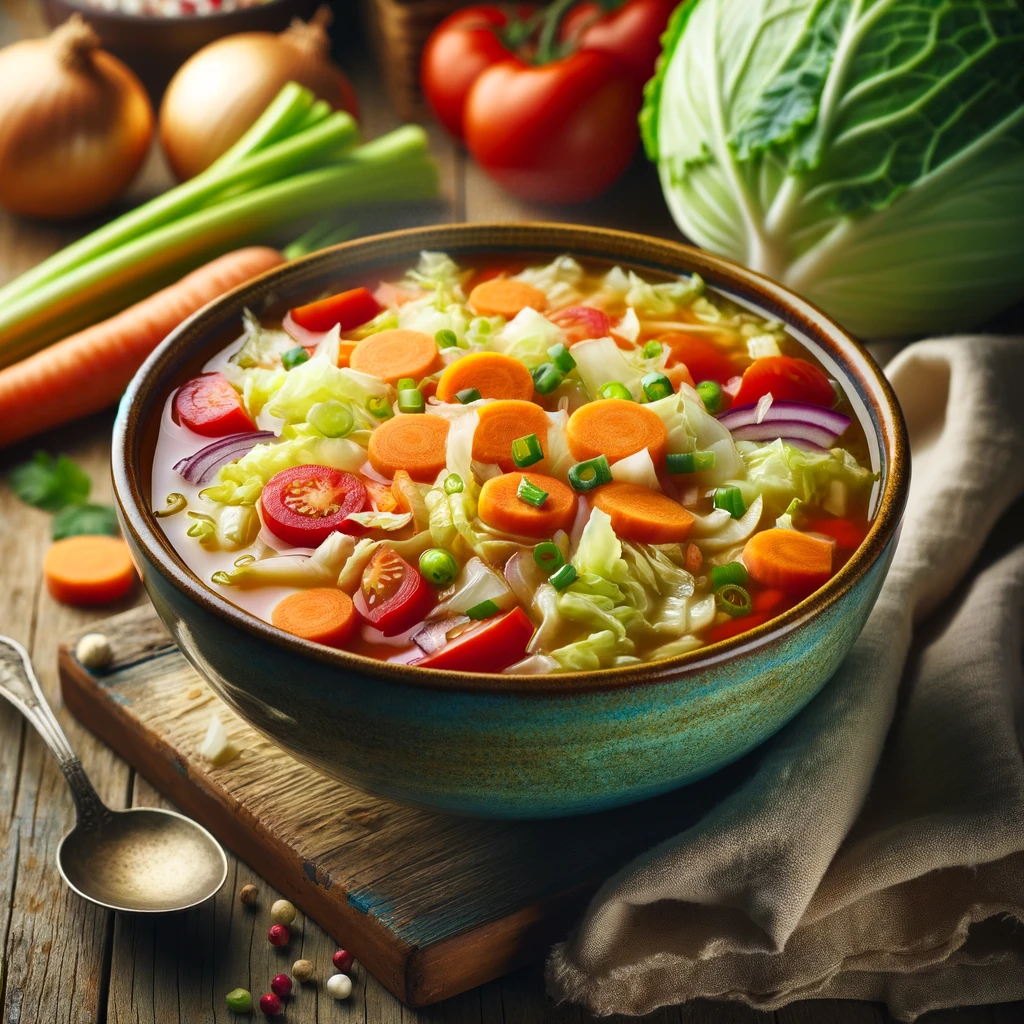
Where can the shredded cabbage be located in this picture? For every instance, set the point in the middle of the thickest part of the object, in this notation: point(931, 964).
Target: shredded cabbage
point(600, 361)
point(527, 337)
point(559, 280)
point(316, 570)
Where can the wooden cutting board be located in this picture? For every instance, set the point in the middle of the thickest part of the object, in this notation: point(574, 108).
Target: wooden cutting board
point(431, 905)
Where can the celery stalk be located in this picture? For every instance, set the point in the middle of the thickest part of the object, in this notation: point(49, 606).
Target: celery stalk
point(285, 116)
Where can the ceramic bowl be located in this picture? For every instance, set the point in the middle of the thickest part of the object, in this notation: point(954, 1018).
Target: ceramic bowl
point(509, 746)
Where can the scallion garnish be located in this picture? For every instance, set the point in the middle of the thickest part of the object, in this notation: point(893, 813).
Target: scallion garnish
point(548, 556)
point(730, 573)
point(613, 389)
point(406, 384)
point(566, 575)
point(411, 401)
point(585, 476)
point(710, 392)
point(379, 408)
point(690, 462)
point(332, 418)
point(656, 386)
point(483, 610)
point(526, 451)
point(731, 499)
point(175, 503)
point(294, 357)
point(562, 358)
point(733, 600)
point(546, 378)
point(453, 484)
point(531, 493)
point(446, 339)
point(467, 395)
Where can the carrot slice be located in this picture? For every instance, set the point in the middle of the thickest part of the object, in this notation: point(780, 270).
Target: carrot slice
point(502, 296)
point(640, 514)
point(323, 615)
point(392, 355)
point(493, 374)
point(416, 443)
point(615, 428)
point(501, 507)
point(88, 570)
point(500, 424)
point(788, 560)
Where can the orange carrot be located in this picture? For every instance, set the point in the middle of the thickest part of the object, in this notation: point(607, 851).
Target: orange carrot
point(501, 423)
point(694, 559)
point(505, 297)
point(88, 570)
point(788, 560)
point(345, 350)
point(615, 428)
point(414, 442)
point(322, 614)
point(501, 507)
point(89, 370)
point(640, 514)
point(392, 355)
point(493, 374)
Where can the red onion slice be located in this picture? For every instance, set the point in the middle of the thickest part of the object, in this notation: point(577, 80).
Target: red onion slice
point(789, 412)
point(769, 430)
point(799, 442)
point(201, 467)
point(434, 635)
point(310, 339)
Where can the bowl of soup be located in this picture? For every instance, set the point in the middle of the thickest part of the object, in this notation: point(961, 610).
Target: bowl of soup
point(513, 521)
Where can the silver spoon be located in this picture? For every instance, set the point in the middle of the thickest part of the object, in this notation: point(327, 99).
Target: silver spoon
point(142, 859)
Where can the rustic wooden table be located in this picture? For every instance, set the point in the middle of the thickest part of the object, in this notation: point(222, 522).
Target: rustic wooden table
point(62, 960)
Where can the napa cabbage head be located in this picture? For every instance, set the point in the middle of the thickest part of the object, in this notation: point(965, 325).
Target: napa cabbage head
point(867, 153)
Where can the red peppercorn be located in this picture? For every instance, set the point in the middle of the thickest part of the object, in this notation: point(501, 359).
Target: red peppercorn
point(270, 1005)
point(282, 985)
point(343, 960)
point(278, 935)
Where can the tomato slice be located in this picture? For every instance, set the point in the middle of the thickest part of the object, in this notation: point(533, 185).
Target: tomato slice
point(346, 309)
point(846, 533)
point(726, 630)
point(788, 379)
point(305, 504)
point(489, 647)
point(703, 358)
point(210, 406)
point(581, 323)
point(392, 595)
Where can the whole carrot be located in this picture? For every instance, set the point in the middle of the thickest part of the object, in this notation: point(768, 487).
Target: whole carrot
point(89, 370)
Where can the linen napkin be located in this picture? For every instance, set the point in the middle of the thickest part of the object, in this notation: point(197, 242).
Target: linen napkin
point(877, 849)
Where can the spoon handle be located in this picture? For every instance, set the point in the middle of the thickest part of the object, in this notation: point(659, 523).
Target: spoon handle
point(19, 685)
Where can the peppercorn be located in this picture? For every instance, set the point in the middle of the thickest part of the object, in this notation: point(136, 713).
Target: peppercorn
point(339, 986)
point(282, 912)
point(239, 1000)
point(302, 970)
point(270, 1004)
point(343, 960)
point(248, 893)
point(281, 985)
point(278, 935)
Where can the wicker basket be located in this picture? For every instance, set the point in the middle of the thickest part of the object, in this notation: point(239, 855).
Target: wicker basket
point(398, 31)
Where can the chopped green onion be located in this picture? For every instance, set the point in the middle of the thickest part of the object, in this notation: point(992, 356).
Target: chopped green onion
point(531, 493)
point(733, 600)
point(656, 385)
point(690, 462)
point(731, 573)
point(439, 567)
point(613, 389)
point(562, 358)
point(548, 556)
point(406, 384)
point(175, 503)
point(653, 349)
point(331, 418)
point(222, 578)
point(710, 392)
point(243, 560)
point(379, 408)
point(294, 357)
point(731, 499)
point(546, 378)
point(483, 610)
point(410, 401)
point(566, 575)
point(526, 451)
point(453, 484)
point(467, 395)
point(585, 476)
point(446, 339)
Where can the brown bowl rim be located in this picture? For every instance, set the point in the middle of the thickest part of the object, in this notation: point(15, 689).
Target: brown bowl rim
point(480, 237)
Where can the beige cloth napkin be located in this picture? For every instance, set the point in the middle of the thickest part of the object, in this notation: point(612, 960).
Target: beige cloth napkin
point(877, 849)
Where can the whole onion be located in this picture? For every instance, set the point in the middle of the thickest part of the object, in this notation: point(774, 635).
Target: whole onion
point(220, 91)
point(75, 124)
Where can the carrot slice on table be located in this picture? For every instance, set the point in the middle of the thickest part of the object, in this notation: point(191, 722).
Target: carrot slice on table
point(416, 443)
point(615, 428)
point(392, 355)
point(88, 570)
point(323, 614)
point(501, 507)
point(788, 560)
point(502, 423)
point(493, 374)
point(505, 297)
point(640, 514)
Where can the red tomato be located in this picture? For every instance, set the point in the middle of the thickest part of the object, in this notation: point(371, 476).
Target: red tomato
point(210, 406)
point(847, 534)
point(347, 309)
point(557, 132)
point(734, 627)
point(788, 379)
point(769, 601)
point(459, 49)
point(703, 358)
point(392, 595)
point(631, 33)
point(305, 504)
point(489, 647)
point(582, 323)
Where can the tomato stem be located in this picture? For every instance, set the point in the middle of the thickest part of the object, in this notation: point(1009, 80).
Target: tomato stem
point(547, 48)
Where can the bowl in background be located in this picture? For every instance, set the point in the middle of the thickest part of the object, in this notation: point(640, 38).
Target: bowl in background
point(499, 745)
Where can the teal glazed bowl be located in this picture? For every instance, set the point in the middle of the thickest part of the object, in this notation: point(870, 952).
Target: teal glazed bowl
point(506, 746)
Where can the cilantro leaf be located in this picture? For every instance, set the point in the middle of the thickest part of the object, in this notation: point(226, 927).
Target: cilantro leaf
point(78, 519)
point(50, 483)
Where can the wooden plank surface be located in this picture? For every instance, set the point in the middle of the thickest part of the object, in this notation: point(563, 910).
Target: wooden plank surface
point(63, 961)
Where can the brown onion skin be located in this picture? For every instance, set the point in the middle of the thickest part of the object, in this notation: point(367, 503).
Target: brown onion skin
point(221, 90)
point(103, 121)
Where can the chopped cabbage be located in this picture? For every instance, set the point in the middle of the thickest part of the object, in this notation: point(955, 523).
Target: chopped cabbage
point(528, 336)
point(559, 280)
point(600, 361)
point(319, 569)
point(637, 468)
point(261, 346)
